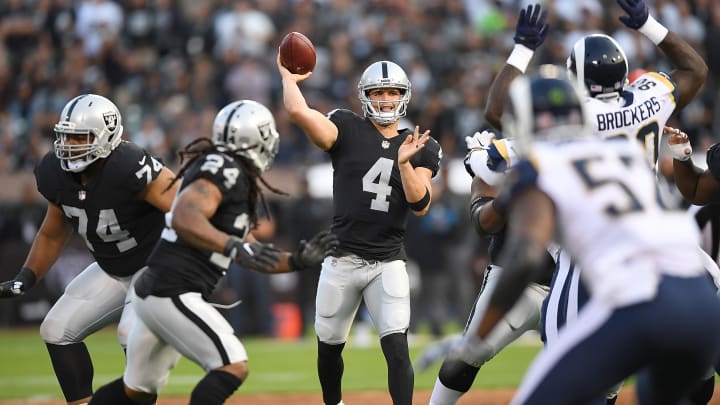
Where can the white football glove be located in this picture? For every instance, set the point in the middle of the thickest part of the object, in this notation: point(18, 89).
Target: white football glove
point(479, 140)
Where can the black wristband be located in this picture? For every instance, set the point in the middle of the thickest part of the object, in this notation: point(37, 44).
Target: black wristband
point(27, 277)
point(294, 265)
point(420, 205)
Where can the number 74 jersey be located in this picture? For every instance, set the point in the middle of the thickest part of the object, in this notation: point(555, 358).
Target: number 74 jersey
point(640, 113)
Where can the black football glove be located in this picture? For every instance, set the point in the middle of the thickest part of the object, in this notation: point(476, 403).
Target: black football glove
point(24, 280)
point(531, 28)
point(310, 254)
point(253, 256)
point(637, 11)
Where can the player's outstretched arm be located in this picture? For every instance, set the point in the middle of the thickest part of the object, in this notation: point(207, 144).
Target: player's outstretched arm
point(46, 248)
point(321, 131)
point(691, 71)
point(530, 33)
point(697, 186)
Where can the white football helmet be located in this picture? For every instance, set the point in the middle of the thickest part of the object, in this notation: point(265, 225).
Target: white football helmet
point(247, 128)
point(98, 119)
point(384, 74)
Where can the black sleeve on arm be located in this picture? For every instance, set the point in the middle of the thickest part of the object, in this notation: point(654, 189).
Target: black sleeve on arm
point(521, 261)
point(475, 207)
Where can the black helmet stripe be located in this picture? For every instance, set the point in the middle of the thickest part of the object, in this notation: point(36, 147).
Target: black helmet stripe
point(72, 106)
point(227, 123)
point(384, 70)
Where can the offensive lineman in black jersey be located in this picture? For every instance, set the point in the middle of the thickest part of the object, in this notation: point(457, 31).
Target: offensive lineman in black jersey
point(112, 193)
point(209, 227)
point(379, 174)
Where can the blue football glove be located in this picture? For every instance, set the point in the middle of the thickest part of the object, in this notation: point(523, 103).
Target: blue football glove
point(637, 11)
point(531, 28)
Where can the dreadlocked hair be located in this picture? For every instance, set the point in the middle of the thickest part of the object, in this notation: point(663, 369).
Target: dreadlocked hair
point(203, 146)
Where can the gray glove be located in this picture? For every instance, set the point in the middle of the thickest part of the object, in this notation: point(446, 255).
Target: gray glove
point(254, 256)
point(310, 254)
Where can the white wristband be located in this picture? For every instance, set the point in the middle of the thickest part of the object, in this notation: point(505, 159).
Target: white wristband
point(681, 151)
point(655, 31)
point(520, 57)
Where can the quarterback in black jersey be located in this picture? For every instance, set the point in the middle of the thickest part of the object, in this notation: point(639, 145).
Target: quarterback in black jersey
point(381, 173)
point(113, 194)
point(209, 227)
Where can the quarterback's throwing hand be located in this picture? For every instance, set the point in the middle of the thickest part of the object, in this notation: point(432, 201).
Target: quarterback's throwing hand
point(531, 28)
point(637, 11)
point(310, 254)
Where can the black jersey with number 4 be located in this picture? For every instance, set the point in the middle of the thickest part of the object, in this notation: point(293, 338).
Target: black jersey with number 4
point(370, 207)
point(119, 227)
point(176, 266)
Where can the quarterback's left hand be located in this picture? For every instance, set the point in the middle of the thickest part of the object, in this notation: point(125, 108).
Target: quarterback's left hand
point(472, 350)
point(412, 145)
point(310, 254)
point(637, 11)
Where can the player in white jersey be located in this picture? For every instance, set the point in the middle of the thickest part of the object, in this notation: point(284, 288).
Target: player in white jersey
point(651, 306)
point(637, 110)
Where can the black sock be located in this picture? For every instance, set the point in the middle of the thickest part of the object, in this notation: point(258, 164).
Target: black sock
point(400, 372)
point(113, 393)
point(214, 388)
point(457, 375)
point(330, 370)
point(702, 394)
point(611, 401)
point(73, 368)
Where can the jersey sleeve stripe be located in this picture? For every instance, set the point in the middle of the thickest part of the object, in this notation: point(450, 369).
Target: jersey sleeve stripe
point(668, 82)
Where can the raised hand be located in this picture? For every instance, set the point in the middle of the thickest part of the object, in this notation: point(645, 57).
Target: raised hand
point(310, 254)
point(531, 28)
point(637, 11)
point(412, 145)
point(477, 142)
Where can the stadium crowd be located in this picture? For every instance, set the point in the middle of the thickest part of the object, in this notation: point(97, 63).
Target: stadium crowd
point(170, 64)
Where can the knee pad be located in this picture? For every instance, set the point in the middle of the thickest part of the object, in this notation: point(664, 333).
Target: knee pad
point(457, 375)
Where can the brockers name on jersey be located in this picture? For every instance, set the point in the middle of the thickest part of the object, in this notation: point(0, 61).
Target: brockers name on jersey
point(633, 115)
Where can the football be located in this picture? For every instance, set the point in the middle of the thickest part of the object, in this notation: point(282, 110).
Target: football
point(297, 53)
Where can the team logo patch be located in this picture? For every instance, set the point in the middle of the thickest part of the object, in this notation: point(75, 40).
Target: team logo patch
point(111, 120)
point(385, 144)
point(82, 194)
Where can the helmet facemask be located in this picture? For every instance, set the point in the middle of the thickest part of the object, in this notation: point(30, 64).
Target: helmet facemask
point(384, 75)
point(94, 118)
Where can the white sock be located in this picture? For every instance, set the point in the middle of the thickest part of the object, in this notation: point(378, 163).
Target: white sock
point(442, 395)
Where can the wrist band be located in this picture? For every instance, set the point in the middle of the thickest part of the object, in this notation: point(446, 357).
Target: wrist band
point(520, 57)
point(653, 30)
point(27, 277)
point(678, 151)
point(420, 205)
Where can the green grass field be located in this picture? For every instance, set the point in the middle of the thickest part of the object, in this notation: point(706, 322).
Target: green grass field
point(275, 366)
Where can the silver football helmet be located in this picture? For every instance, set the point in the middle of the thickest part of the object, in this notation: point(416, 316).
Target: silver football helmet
point(384, 74)
point(93, 116)
point(247, 128)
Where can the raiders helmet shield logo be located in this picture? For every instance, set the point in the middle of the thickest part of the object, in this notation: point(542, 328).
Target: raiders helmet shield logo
point(110, 119)
point(264, 131)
